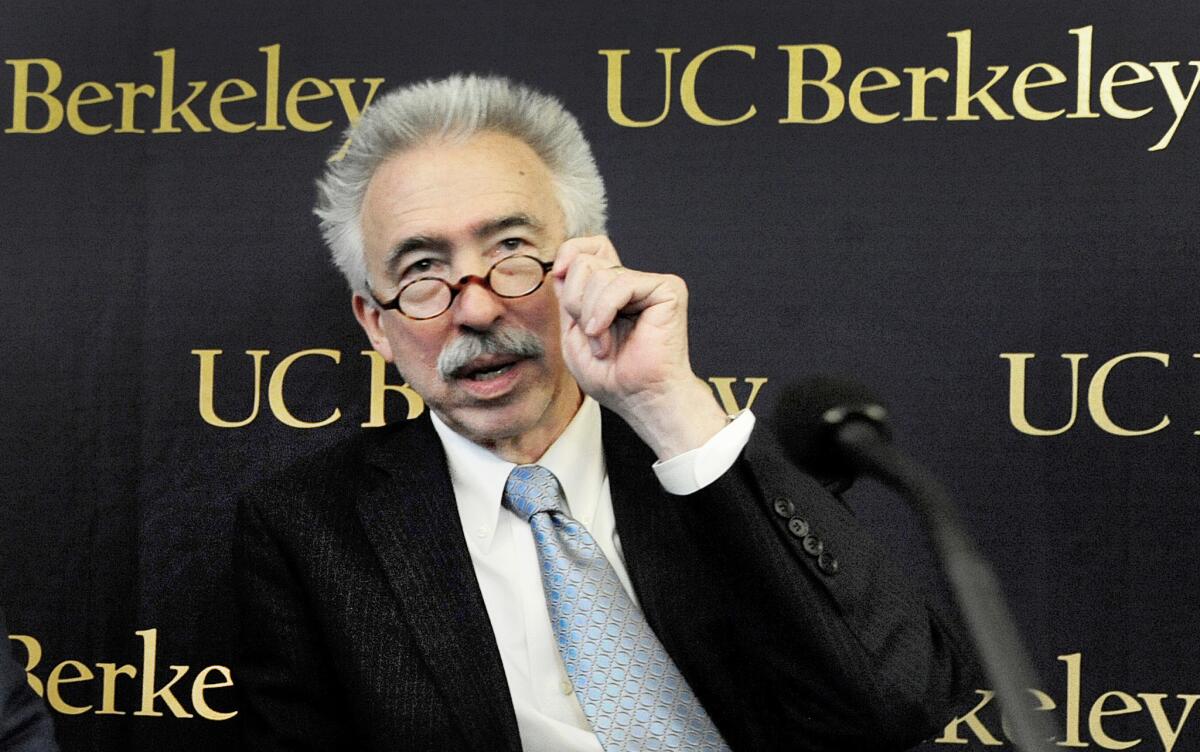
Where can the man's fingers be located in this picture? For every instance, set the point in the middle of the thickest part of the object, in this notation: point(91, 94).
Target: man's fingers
point(595, 247)
point(608, 294)
point(576, 259)
point(576, 341)
point(573, 286)
point(594, 290)
point(584, 272)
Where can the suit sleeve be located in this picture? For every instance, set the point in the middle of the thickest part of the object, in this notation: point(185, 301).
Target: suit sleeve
point(799, 632)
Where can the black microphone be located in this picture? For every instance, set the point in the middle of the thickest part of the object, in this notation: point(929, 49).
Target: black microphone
point(809, 418)
point(834, 429)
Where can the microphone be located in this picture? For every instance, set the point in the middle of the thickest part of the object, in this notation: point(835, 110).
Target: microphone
point(835, 429)
point(808, 420)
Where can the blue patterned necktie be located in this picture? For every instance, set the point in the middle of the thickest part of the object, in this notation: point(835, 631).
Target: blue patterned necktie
point(629, 688)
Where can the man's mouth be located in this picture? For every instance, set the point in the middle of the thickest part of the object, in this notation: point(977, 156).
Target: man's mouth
point(487, 367)
point(487, 359)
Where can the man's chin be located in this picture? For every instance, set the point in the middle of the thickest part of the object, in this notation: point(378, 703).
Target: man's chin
point(489, 424)
point(480, 411)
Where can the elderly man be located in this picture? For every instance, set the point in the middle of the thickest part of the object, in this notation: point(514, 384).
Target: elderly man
point(576, 549)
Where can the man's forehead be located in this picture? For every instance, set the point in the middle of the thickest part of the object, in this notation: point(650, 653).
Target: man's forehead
point(468, 228)
point(484, 155)
point(462, 188)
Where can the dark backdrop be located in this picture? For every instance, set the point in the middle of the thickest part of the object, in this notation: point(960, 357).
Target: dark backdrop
point(913, 254)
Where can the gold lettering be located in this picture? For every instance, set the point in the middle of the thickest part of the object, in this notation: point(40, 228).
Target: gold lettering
point(616, 111)
point(149, 693)
point(208, 359)
point(962, 83)
point(33, 656)
point(167, 113)
point(1044, 703)
point(353, 110)
point(129, 94)
point(1167, 733)
point(1074, 663)
point(797, 82)
point(1096, 395)
point(859, 85)
point(380, 388)
point(1083, 75)
point(1021, 100)
point(77, 100)
point(724, 387)
point(950, 733)
point(201, 684)
point(56, 678)
point(1098, 713)
point(1179, 103)
point(22, 95)
point(687, 87)
point(1016, 393)
point(1142, 74)
point(275, 390)
point(220, 99)
point(919, 77)
point(74, 672)
point(108, 694)
point(271, 97)
point(296, 95)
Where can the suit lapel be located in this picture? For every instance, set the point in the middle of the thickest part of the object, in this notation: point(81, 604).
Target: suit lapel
point(667, 572)
point(639, 507)
point(412, 522)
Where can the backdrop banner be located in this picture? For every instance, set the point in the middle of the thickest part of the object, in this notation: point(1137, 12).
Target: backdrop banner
point(987, 212)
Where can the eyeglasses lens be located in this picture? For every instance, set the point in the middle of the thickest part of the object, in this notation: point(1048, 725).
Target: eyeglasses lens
point(512, 277)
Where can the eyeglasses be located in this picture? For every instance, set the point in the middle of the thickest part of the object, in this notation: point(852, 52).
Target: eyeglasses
point(428, 297)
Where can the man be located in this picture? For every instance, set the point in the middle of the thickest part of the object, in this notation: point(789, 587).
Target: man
point(577, 549)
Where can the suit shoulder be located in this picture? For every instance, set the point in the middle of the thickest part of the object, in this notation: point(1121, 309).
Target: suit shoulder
point(337, 474)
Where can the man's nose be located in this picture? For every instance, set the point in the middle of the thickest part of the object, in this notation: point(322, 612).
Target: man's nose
point(476, 306)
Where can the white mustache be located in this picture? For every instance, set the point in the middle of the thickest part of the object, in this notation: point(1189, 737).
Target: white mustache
point(505, 341)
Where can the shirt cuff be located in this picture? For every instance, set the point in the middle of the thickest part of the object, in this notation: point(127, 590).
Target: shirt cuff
point(691, 471)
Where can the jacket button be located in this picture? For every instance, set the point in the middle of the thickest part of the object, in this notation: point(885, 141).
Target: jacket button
point(798, 527)
point(813, 545)
point(827, 563)
point(783, 507)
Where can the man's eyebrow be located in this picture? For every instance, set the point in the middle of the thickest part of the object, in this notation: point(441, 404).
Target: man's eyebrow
point(493, 226)
point(409, 245)
point(431, 243)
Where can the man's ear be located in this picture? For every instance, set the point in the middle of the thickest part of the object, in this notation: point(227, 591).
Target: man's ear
point(370, 318)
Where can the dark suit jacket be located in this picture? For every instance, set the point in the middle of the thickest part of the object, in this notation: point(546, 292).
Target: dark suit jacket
point(364, 627)
point(25, 724)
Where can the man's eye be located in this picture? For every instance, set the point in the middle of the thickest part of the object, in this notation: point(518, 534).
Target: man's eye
point(512, 244)
point(417, 268)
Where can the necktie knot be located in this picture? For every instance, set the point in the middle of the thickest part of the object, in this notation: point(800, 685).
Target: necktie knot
point(531, 489)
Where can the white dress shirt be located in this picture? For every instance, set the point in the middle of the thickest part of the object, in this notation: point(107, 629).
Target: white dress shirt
point(502, 551)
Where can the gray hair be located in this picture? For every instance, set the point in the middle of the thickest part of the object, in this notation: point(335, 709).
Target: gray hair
point(455, 107)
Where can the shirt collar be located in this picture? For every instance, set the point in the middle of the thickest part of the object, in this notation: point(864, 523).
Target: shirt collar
point(478, 476)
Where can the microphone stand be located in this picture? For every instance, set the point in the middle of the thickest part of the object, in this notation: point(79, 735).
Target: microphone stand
point(975, 587)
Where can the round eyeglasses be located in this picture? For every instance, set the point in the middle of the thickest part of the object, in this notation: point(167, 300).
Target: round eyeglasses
point(510, 277)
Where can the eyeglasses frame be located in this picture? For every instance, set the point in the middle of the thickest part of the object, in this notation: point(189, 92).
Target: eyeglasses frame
point(461, 284)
